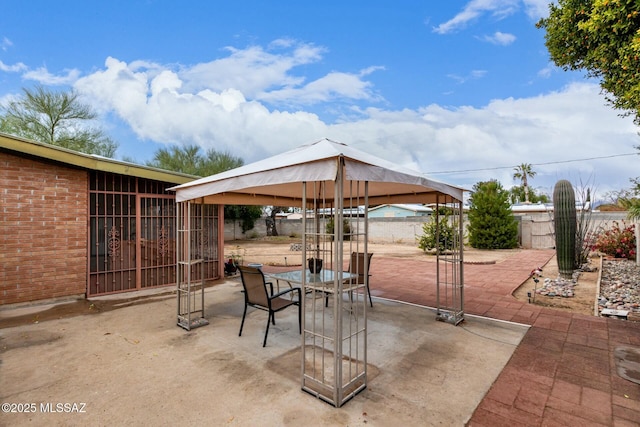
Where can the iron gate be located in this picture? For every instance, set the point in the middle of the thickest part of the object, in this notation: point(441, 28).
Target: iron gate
point(132, 235)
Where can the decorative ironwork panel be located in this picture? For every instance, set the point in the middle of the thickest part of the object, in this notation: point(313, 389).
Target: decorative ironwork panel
point(157, 241)
point(114, 242)
point(132, 229)
point(112, 237)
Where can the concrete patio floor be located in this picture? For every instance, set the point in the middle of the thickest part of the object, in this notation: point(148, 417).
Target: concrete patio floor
point(134, 366)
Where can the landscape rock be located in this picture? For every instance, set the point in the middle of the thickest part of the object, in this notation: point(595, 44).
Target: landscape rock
point(620, 286)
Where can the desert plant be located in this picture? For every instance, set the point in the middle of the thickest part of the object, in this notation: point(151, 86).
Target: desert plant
point(438, 234)
point(619, 241)
point(585, 231)
point(565, 226)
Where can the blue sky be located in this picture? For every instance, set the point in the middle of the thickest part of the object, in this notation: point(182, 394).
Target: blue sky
point(460, 90)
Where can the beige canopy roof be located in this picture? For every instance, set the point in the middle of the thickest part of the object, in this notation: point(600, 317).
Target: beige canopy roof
point(277, 180)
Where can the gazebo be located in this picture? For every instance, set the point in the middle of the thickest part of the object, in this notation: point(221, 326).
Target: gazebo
point(329, 180)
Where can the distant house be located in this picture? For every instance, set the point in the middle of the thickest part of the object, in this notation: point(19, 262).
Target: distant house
point(79, 225)
point(529, 208)
point(399, 211)
point(290, 215)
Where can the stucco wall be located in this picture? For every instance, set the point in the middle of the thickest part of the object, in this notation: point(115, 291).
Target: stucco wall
point(43, 230)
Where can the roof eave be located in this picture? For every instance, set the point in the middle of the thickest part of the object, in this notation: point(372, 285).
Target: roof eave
point(90, 161)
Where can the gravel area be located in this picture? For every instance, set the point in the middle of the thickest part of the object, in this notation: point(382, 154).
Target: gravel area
point(620, 286)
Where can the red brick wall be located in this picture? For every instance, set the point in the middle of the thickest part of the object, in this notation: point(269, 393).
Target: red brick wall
point(43, 230)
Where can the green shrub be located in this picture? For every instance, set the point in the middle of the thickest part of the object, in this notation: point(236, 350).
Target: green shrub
point(491, 222)
point(431, 239)
point(346, 228)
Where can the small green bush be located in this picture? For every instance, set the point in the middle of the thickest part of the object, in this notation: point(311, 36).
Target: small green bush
point(431, 240)
point(346, 228)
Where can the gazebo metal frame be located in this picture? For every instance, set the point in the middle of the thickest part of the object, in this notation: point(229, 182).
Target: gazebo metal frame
point(334, 335)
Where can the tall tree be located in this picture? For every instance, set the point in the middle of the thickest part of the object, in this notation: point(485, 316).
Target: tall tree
point(516, 194)
point(189, 159)
point(491, 222)
point(185, 159)
point(630, 200)
point(523, 172)
point(57, 118)
point(600, 37)
point(216, 162)
point(272, 229)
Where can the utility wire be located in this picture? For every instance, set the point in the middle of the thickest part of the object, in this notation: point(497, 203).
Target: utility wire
point(533, 164)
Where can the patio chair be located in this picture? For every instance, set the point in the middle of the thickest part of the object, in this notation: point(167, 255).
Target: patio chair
point(258, 296)
point(357, 265)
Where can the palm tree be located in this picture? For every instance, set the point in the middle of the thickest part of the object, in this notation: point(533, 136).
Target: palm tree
point(632, 205)
point(523, 172)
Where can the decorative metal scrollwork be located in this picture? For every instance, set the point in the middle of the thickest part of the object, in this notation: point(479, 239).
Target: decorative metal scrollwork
point(114, 241)
point(163, 241)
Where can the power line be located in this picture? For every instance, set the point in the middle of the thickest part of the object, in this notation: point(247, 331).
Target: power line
point(533, 164)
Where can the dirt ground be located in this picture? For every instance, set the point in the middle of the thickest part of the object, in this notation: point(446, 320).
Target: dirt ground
point(278, 251)
point(582, 302)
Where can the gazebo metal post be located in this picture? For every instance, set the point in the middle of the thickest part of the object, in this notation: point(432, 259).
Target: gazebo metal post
point(449, 266)
point(334, 337)
point(338, 284)
point(190, 253)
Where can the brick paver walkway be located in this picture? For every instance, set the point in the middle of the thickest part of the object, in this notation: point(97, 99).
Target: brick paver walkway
point(563, 373)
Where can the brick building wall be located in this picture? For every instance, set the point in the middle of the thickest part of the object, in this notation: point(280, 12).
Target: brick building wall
point(43, 230)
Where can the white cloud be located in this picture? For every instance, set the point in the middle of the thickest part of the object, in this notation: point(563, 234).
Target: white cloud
point(160, 103)
point(473, 75)
point(5, 44)
point(43, 76)
point(488, 142)
point(537, 9)
point(253, 69)
point(15, 68)
point(545, 72)
point(157, 106)
point(333, 85)
point(499, 9)
point(500, 38)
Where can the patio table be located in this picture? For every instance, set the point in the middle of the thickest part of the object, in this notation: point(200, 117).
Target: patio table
point(319, 282)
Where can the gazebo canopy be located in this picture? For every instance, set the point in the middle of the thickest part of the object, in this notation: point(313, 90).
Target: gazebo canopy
point(276, 180)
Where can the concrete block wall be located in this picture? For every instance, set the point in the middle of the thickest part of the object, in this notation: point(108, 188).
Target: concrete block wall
point(43, 230)
point(535, 231)
point(396, 230)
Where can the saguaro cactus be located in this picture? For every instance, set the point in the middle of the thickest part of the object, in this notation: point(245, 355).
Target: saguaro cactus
point(565, 224)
